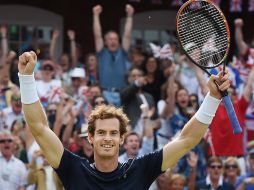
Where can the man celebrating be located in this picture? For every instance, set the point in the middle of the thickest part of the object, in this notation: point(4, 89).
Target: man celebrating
point(106, 127)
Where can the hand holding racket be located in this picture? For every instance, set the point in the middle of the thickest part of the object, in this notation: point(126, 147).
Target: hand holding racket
point(204, 35)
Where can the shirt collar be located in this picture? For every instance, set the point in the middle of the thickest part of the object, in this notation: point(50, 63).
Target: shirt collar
point(1, 156)
point(208, 180)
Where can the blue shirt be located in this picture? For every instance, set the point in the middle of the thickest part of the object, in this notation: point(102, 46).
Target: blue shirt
point(241, 178)
point(113, 67)
point(77, 174)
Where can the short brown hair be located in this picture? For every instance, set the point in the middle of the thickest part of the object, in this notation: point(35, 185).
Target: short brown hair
point(213, 159)
point(108, 112)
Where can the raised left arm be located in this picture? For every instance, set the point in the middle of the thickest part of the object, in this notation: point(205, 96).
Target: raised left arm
point(128, 28)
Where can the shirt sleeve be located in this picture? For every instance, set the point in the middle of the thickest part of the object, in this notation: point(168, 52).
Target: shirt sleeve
point(151, 164)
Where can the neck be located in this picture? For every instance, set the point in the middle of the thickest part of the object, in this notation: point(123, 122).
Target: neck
point(106, 165)
point(232, 179)
point(7, 157)
point(131, 156)
point(215, 182)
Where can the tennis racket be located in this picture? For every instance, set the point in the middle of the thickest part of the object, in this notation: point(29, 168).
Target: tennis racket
point(204, 36)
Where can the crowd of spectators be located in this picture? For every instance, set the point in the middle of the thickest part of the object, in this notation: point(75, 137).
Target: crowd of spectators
point(158, 93)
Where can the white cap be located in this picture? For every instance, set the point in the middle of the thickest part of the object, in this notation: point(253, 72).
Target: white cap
point(84, 130)
point(78, 72)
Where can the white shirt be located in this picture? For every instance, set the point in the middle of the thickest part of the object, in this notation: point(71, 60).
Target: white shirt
point(9, 117)
point(50, 184)
point(13, 173)
point(44, 88)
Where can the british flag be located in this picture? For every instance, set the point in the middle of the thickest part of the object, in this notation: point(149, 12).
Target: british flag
point(235, 6)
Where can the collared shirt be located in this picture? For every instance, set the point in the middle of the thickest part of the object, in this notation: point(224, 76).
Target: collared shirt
point(208, 181)
point(13, 173)
point(9, 117)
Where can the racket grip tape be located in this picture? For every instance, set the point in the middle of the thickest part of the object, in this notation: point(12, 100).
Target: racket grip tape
point(232, 115)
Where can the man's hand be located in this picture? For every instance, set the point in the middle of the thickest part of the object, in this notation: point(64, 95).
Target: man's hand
point(238, 22)
point(3, 31)
point(27, 63)
point(55, 34)
point(71, 34)
point(97, 10)
point(222, 81)
point(129, 10)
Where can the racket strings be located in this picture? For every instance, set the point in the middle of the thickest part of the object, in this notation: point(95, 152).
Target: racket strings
point(199, 26)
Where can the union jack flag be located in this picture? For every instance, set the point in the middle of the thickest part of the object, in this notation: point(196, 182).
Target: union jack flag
point(235, 6)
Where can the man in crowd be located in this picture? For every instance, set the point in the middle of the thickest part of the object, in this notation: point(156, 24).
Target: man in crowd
point(13, 175)
point(112, 59)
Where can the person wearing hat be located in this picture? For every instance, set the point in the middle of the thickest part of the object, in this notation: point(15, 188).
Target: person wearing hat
point(246, 182)
point(86, 150)
point(47, 81)
point(77, 82)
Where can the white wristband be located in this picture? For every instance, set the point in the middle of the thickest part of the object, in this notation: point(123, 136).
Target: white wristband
point(207, 110)
point(28, 89)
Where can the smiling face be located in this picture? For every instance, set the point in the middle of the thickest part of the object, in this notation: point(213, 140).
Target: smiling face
point(182, 98)
point(106, 139)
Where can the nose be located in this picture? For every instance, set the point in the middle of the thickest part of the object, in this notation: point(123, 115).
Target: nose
point(107, 137)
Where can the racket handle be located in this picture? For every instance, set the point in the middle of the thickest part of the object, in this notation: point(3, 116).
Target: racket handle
point(231, 114)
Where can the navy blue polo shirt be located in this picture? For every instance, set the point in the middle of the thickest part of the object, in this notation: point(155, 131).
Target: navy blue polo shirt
point(77, 173)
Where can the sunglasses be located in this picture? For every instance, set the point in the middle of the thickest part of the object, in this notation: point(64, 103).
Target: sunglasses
point(233, 166)
point(6, 140)
point(216, 166)
point(16, 98)
point(48, 68)
point(51, 111)
point(75, 78)
point(100, 102)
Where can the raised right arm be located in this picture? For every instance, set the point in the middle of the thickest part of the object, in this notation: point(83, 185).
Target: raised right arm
point(34, 114)
point(97, 28)
point(241, 45)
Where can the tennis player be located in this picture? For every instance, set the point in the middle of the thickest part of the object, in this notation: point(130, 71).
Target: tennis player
point(106, 127)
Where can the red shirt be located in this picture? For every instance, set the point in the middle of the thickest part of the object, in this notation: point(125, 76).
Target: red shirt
point(225, 143)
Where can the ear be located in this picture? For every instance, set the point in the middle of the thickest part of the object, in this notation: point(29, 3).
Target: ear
point(90, 138)
point(121, 140)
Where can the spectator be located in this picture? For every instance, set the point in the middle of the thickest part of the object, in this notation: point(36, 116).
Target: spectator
point(43, 175)
point(219, 147)
point(12, 112)
point(86, 150)
point(13, 174)
point(99, 100)
point(112, 59)
point(246, 182)
point(47, 82)
point(77, 82)
point(245, 52)
point(133, 147)
point(91, 69)
point(133, 96)
point(232, 170)
point(214, 178)
point(154, 77)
